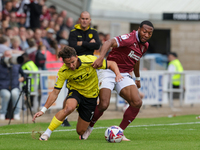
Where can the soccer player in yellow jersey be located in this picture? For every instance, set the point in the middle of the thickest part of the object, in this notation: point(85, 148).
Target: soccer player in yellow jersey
point(82, 82)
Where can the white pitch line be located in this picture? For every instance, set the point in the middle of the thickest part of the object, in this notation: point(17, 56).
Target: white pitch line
point(150, 125)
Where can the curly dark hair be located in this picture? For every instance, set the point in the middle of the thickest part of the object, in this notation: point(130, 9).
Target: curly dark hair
point(67, 52)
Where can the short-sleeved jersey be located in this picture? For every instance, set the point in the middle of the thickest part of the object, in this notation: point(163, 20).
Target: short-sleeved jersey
point(128, 52)
point(83, 79)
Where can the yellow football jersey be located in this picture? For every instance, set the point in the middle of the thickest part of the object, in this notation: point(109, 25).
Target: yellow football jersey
point(83, 79)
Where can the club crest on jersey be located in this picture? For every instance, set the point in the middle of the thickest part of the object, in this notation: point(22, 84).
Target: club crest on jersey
point(87, 69)
point(124, 37)
point(90, 35)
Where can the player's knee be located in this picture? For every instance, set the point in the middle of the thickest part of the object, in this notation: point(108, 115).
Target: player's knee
point(68, 109)
point(136, 103)
point(103, 106)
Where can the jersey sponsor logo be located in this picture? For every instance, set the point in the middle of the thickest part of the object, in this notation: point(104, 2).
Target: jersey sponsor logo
point(81, 77)
point(132, 55)
point(124, 37)
point(80, 36)
point(90, 35)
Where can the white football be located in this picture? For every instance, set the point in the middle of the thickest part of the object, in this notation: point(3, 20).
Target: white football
point(114, 134)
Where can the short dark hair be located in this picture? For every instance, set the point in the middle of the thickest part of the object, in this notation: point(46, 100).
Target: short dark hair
point(173, 53)
point(67, 52)
point(147, 22)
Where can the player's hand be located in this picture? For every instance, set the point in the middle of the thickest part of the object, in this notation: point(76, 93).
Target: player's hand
point(119, 77)
point(97, 63)
point(93, 41)
point(38, 114)
point(137, 82)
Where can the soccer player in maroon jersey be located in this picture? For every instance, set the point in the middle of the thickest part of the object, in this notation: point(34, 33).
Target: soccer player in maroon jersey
point(127, 51)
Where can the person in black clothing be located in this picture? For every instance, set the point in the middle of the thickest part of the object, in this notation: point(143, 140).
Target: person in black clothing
point(35, 12)
point(84, 38)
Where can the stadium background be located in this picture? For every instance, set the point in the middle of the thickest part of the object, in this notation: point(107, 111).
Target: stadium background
point(114, 17)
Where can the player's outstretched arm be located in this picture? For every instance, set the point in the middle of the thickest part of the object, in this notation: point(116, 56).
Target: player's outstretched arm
point(104, 49)
point(50, 100)
point(113, 66)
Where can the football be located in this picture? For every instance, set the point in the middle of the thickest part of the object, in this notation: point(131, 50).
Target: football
point(114, 134)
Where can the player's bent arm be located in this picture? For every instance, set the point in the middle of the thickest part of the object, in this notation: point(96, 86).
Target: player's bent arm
point(106, 46)
point(113, 66)
point(50, 100)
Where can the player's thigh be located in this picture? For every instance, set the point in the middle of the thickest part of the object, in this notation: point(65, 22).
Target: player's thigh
point(131, 95)
point(81, 126)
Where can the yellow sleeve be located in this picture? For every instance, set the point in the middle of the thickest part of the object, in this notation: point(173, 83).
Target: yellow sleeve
point(104, 65)
point(60, 79)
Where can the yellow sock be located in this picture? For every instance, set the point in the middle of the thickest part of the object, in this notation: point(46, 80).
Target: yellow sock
point(54, 123)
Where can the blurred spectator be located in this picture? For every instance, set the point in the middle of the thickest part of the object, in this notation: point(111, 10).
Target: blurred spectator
point(13, 20)
point(0, 19)
point(32, 48)
point(22, 20)
point(15, 42)
point(52, 61)
point(15, 31)
point(69, 24)
point(57, 29)
point(45, 14)
point(4, 45)
point(44, 24)
point(51, 24)
point(39, 39)
point(63, 43)
point(35, 12)
point(15, 5)
point(9, 32)
point(9, 89)
point(175, 66)
point(64, 34)
point(63, 14)
point(54, 16)
point(44, 33)
point(101, 37)
point(5, 24)
point(40, 57)
point(60, 22)
point(107, 37)
point(22, 34)
point(7, 9)
point(31, 66)
point(50, 35)
point(52, 9)
point(29, 33)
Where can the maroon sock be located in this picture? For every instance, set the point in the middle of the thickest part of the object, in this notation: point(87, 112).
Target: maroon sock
point(129, 116)
point(97, 115)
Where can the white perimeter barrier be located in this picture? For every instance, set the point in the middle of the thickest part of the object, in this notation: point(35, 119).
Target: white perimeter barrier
point(156, 86)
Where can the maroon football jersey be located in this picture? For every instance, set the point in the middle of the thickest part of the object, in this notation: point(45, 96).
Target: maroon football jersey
point(128, 52)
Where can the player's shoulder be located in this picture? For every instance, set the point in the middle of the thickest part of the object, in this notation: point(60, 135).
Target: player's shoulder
point(93, 29)
point(63, 69)
point(87, 58)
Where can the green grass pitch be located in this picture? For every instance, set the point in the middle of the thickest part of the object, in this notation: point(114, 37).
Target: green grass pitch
point(176, 133)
